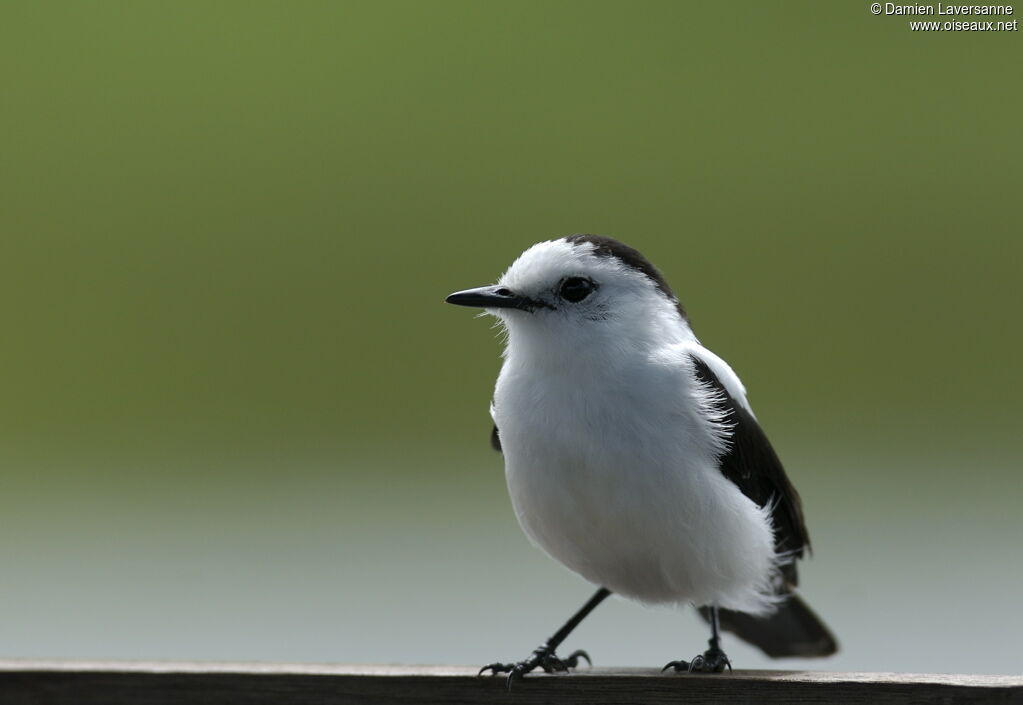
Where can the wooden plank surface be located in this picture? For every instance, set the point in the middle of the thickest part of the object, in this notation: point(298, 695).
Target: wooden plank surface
point(183, 683)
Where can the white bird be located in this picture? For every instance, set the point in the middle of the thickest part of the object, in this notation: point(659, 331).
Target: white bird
point(633, 457)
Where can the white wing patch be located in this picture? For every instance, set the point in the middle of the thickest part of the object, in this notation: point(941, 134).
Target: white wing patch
point(733, 385)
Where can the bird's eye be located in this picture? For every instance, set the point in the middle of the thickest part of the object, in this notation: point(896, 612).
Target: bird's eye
point(575, 289)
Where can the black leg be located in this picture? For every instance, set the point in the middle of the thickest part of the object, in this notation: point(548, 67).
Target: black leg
point(715, 625)
point(544, 656)
point(713, 660)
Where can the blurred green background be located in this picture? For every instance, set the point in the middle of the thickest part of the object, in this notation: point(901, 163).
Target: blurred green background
point(238, 422)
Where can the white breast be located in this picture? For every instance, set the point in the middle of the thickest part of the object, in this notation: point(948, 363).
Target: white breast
point(615, 475)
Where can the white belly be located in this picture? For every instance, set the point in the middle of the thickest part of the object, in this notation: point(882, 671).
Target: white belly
point(631, 498)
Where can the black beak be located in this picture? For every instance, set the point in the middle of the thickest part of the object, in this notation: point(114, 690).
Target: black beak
point(491, 297)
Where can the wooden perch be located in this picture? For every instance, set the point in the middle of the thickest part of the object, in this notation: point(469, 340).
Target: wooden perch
point(157, 683)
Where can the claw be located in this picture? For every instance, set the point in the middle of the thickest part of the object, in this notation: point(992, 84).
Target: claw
point(552, 663)
point(543, 658)
point(679, 666)
point(495, 668)
point(711, 661)
point(572, 660)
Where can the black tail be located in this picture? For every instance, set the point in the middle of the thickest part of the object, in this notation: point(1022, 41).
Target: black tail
point(794, 630)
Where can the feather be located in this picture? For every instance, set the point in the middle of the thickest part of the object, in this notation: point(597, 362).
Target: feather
point(751, 463)
point(794, 630)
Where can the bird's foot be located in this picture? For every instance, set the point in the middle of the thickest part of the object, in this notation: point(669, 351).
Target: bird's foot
point(544, 657)
point(712, 660)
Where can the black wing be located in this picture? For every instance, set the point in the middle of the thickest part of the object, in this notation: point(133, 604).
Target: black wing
point(495, 439)
point(754, 467)
point(751, 463)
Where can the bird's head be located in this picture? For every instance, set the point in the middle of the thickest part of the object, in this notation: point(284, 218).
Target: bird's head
point(580, 290)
